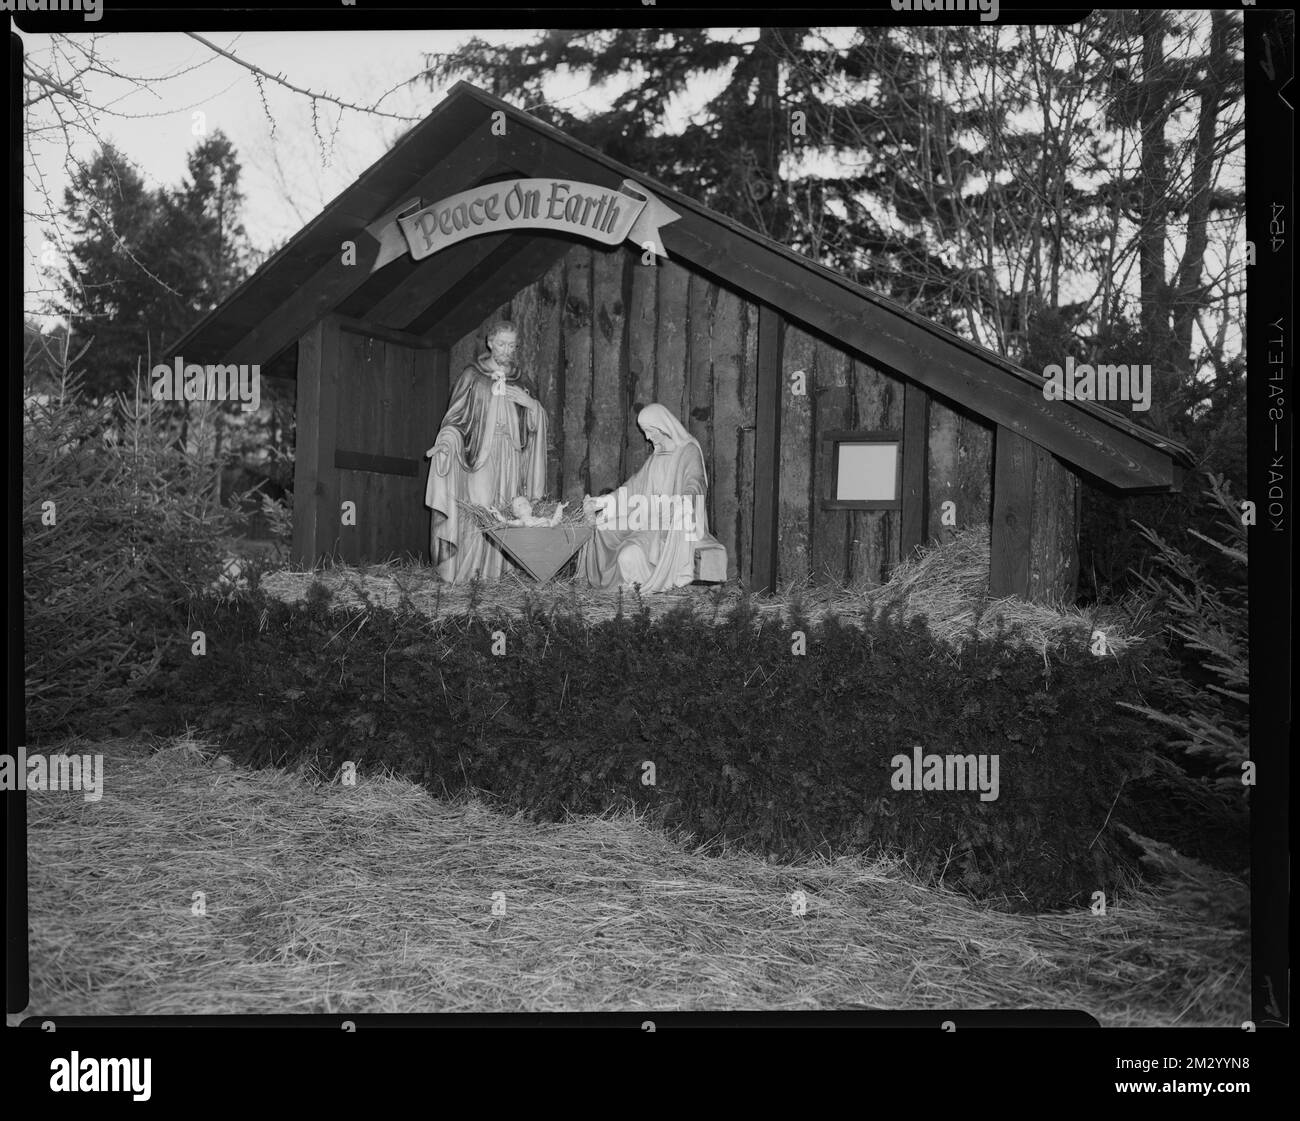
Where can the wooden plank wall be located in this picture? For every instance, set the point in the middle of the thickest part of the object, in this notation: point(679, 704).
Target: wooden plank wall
point(604, 336)
point(1009, 536)
point(388, 394)
point(794, 520)
point(842, 392)
point(1054, 545)
point(874, 534)
point(961, 469)
point(315, 481)
point(1034, 524)
point(734, 347)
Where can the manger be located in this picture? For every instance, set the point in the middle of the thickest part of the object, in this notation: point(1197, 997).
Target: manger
point(488, 469)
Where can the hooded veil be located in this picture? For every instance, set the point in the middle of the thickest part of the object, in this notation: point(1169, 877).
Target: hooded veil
point(658, 558)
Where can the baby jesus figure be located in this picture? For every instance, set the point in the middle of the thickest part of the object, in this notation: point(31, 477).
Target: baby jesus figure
point(522, 514)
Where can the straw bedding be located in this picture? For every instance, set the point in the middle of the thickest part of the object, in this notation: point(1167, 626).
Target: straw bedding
point(377, 898)
point(488, 518)
point(947, 585)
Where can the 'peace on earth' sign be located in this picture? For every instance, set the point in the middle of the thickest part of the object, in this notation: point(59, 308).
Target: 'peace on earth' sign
point(602, 214)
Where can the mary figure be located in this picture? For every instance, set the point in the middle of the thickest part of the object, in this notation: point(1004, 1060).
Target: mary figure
point(649, 531)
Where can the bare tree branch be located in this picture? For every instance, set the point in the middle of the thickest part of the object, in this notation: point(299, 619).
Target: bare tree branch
point(280, 80)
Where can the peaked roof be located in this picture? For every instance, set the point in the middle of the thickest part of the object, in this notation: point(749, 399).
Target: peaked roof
point(457, 146)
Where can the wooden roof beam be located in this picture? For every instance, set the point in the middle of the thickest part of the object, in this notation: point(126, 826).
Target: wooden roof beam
point(465, 308)
point(436, 277)
point(1077, 435)
point(332, 283)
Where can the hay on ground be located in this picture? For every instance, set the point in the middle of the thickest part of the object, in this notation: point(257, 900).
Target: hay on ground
point(946, 584)
point(379, 898)
point(486, 517)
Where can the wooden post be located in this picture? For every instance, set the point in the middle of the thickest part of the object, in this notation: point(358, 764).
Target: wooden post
point(315, 478)
point(795, 453)
point(575, 437)
point(875, 535)
point(672, 326)
point(1009, 536)
point(916, 459)
point(767, 450)
point(608, 362)
point(435, 365)
point(1054, 535)
point(730, 517)
point(642, 339)
point(828, 556)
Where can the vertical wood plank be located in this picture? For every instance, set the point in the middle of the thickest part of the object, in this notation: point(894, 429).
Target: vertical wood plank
point(413, 389)
point(916, 426)
point(873, 534)
point(1054, 542)
point(431, 376)
point(434, 368)
point(642, 339)
point(327, 484)
point(794, 525)
point(832, 407)
point(764, 570)
point(315, 478)
point(672, 332)
point(609, 368)
point(396, 404)
point(974, 471)
point(575, 478)
point(307, 446)
point(361, 377)
point(727, 511)
point(745, 512)
point(1009, 537)
point(399, 401)
point(698, 419)
point(354, 488)
point(372, 510)
point(547, 359)
point(945, 470)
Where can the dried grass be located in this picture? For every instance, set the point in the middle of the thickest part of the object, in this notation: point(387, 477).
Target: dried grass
point(488, 518)
point(378, 898)
point(946, 585)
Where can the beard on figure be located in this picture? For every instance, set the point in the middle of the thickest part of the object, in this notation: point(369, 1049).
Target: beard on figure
point(490, 449)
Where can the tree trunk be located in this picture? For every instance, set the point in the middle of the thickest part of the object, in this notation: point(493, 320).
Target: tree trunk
point(1188, 297)
point(1153, 116)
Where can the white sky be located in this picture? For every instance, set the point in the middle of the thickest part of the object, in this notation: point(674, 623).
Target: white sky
point(288, 175)
point(287, 179)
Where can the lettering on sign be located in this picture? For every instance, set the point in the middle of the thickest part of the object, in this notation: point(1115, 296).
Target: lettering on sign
point(603, 214)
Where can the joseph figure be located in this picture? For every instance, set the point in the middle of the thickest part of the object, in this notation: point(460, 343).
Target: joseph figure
point(490, 449)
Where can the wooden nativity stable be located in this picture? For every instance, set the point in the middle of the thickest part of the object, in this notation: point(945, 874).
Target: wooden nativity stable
point(623, 293)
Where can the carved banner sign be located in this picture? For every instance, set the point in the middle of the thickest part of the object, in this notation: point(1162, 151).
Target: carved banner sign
point(603, 214)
